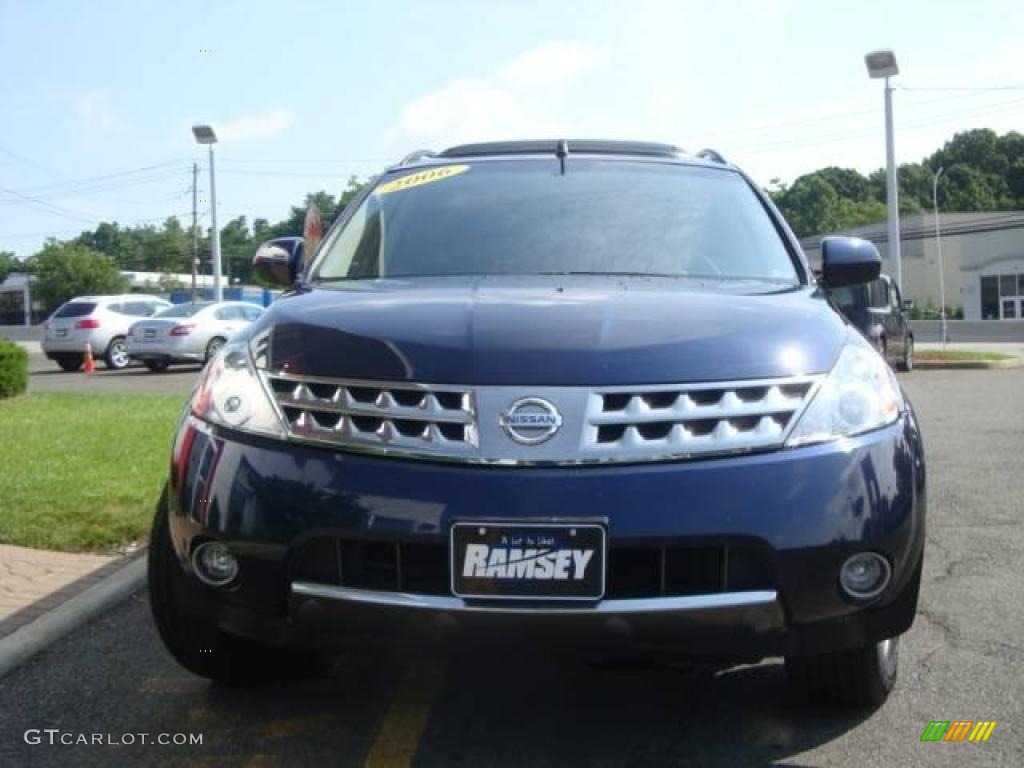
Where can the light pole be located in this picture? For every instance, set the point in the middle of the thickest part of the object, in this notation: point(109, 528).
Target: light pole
point(882, 64)
point(204, 135)
point(938, 248)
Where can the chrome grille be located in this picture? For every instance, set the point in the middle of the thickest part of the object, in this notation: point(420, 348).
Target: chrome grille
point(418, 419)
point(625, 423)
point(600, 425)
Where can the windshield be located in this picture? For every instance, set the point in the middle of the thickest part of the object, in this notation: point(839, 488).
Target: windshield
point(526, 217)
point(183, 310)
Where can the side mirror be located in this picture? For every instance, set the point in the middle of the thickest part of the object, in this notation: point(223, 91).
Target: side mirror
point(275, 262)
point(908, 305)
point(848, 261)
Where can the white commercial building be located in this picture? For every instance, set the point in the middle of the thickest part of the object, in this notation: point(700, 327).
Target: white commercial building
point(982, 255)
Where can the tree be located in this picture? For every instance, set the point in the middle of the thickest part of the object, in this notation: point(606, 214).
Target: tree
point(969, 189)
point(983, 172)
point(237, 248)
point(6, 264)
point(66, 270)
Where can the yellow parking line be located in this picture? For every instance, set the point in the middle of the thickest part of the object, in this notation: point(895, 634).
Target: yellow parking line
point(399, 735)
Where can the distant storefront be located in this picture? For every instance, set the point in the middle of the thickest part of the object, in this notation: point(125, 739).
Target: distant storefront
point(16, 304)
point(982, 256)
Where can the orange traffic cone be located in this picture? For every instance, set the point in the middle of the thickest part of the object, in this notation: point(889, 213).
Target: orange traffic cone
point(90, 364)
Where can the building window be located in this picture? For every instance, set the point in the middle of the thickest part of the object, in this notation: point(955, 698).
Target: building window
point(990, 298)
point(1007, 285)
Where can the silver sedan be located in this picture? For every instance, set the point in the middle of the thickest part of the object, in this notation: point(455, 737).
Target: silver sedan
point(188, 332)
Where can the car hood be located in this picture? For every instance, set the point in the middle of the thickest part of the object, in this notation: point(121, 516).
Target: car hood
point(552, 330)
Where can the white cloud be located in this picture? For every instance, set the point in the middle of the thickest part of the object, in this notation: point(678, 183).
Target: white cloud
point(256, 127)
point(522, 99)
point(552, 67)
point(92, 110)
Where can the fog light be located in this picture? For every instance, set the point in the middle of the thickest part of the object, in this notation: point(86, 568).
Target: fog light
point(214, 563)
point(865, 575)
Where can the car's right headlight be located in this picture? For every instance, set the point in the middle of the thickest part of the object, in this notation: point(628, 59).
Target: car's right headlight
point(859, 394)
point(229, 393)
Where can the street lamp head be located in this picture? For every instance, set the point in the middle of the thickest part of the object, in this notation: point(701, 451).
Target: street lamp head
point(204, 134)
point(881, 64)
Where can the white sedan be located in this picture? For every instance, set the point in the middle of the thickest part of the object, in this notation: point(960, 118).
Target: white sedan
point(188, 332)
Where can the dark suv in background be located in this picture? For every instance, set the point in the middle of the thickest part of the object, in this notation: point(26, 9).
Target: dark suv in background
point(877, 310)
point(573, 393)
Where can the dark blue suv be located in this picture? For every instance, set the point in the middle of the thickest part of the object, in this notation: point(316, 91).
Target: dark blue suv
point(549, 392)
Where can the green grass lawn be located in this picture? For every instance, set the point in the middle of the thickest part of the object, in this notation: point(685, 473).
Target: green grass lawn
point(82, 471)
point(959, 354)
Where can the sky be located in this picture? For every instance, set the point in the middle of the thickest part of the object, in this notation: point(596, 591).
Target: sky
point(97, 98)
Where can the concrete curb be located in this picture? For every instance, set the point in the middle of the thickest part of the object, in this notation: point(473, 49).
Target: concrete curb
point(27, 641)
point(967, 365)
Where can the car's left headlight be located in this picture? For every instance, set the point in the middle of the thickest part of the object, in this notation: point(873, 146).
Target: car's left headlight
point(230, 393)
point(859, 394)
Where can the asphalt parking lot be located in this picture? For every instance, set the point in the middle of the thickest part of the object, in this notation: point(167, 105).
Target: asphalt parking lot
point(46, 376)
point(963, 659)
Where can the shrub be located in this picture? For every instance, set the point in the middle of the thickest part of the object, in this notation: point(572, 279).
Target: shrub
point(13, 369)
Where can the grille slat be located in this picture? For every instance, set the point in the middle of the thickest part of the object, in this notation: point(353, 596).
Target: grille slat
point(664, 421)
point(414, 418)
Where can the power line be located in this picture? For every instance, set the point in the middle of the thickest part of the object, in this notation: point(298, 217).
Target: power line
point(771, 128)
point(126, 223)
point(72, 183)
point(105, 186)
point(918, 122)
point(24, 160)
point(295, 174)
point(982, 88)
point(56, 210)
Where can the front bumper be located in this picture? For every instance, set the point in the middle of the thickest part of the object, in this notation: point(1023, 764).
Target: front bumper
point(795, 514)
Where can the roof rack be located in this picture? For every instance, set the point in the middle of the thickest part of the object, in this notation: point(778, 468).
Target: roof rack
point(712, 155)
point(553, 146)
point(415, 157)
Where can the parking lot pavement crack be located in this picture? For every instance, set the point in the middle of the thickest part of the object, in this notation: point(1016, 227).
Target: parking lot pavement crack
point(950, 634)
point(954, 568)
point(953, 638)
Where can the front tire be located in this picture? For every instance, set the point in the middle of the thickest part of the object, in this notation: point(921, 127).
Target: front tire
point(907, 363)
point(116, 356)
point(213, 347)
point(859, 677)
point(194, 640)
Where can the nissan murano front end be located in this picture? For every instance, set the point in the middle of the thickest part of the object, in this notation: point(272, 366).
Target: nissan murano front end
point(543, 392)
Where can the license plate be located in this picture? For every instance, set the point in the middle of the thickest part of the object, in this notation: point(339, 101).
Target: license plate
point(528, 561)
point(150, 333)
point(61, 333)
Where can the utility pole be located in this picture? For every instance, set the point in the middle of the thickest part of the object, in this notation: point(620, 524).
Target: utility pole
point(938, 248)
point(882, 65)
point(218, 291)
point(204, 134)
point(892, 190)
point(195, 230)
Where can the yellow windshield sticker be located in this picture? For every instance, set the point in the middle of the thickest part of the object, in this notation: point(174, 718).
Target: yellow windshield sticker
point(419, 179)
